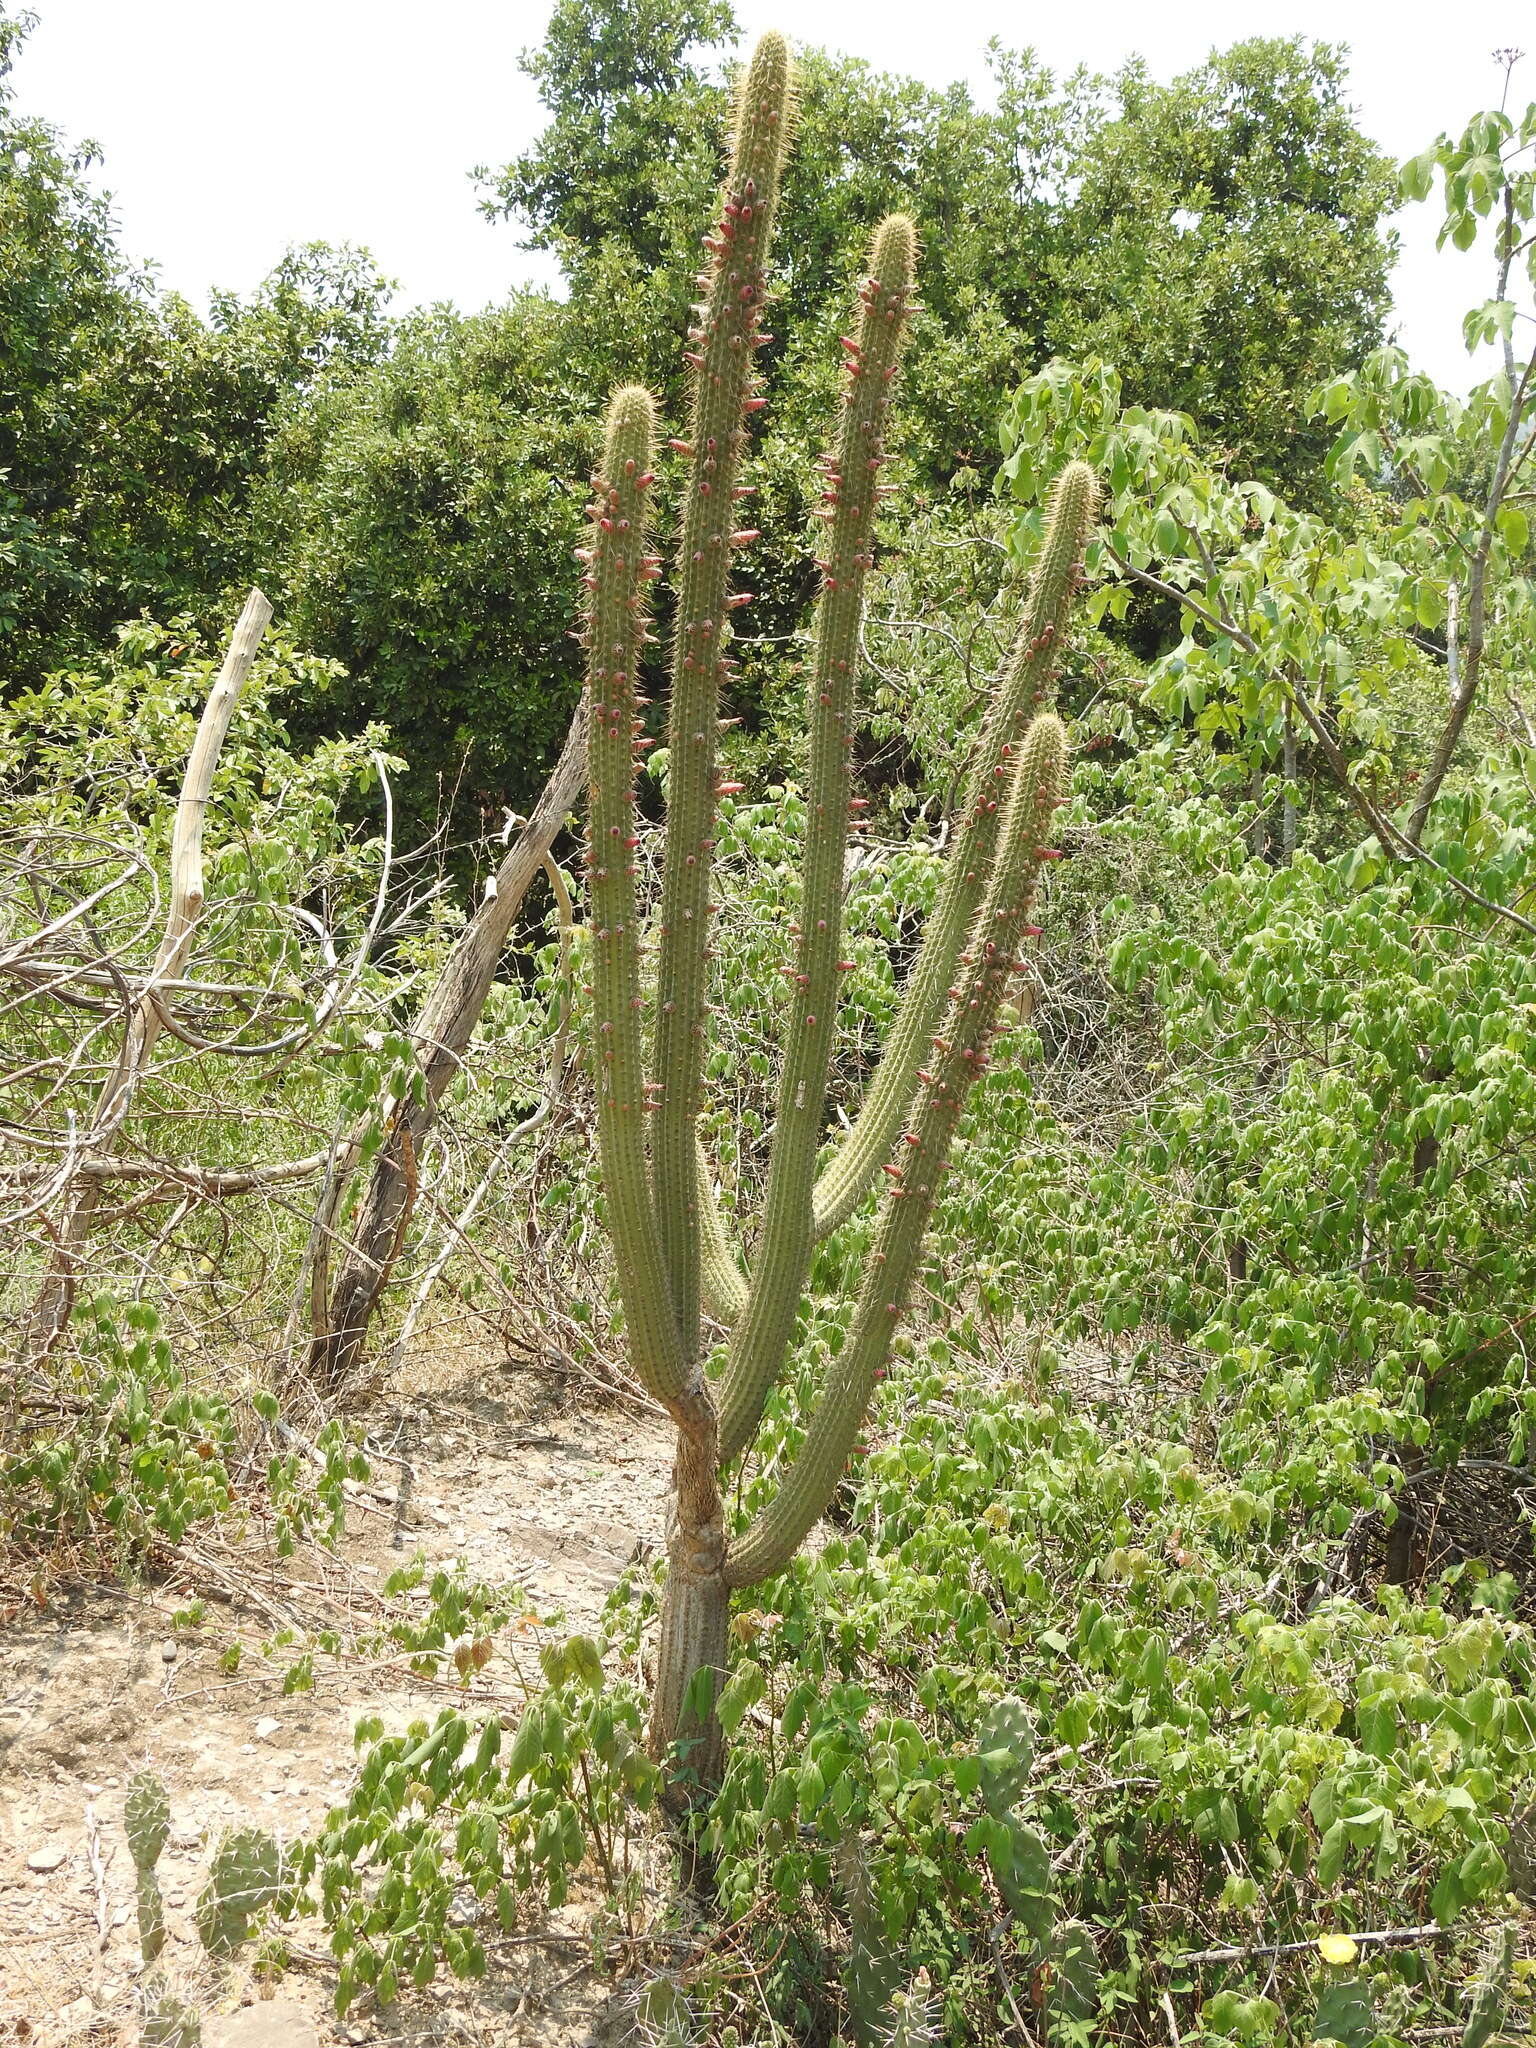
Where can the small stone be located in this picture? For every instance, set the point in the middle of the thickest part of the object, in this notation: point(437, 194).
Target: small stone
point(276, 2023)
point(119, 1918)
point(47, 1859)
point(266, 1728)
point(168, 1652)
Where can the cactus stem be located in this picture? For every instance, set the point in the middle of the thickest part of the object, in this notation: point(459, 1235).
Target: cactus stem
point(760, 1341)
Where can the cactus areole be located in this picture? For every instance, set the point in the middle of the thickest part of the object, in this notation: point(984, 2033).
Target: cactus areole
point(669, 1244)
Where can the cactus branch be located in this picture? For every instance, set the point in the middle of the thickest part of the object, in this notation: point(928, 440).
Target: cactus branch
point(1028, 686)
point(784, 1247)
point(783, 1524)
point(723, 1284)
point(618, 570)
point(723, 389)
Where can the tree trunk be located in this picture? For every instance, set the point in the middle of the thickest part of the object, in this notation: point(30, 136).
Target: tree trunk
point(695, 1612)
point(443, 1031)
point(1288, 816)
point(1427, 1282)
point(1258, 831)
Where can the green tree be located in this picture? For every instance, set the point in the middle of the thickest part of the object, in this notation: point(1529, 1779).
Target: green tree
point(1373, 625)
point(1221, 240)
point(62, 289)
point(131, 431)
point(631, 119)
point(158, 512)
point(417, 525)
point(1225, 247)
point(1239, 207)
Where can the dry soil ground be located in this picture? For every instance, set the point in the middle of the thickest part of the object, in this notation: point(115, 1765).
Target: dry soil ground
point(513, 1475)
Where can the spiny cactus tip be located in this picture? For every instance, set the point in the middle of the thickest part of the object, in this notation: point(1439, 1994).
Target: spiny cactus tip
point(1075, 497)
point(765, 110)
point(631, 411)
point(1045, 751)
point(772, 65)
point(893, 252)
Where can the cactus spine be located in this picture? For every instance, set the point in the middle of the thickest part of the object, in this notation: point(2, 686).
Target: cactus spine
point(147, 1824)
point(669, 1240)
point(168, 2023)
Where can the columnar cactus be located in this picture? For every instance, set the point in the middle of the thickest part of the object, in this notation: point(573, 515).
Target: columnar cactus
point(147, 1824)
point(670, 1248)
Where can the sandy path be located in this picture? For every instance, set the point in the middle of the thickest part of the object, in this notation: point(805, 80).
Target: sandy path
point(552, 1495)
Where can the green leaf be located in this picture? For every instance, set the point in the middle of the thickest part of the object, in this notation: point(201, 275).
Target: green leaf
point(1514, 528)
point(583, 1663)
point(1417, 176)
point(527, 1745)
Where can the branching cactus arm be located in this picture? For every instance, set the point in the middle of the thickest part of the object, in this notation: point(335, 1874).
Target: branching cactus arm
point(851, 491)
point(960, 1057)
point(724, 389)
point(618, 569)
point(723, 1282)
point(1028, 685)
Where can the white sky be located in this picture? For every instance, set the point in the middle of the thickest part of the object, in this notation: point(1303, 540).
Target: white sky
point(230, 130)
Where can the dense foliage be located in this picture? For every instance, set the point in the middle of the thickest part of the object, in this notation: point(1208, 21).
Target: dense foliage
point(1222, 241)
point(132, 432)
point(361, 469)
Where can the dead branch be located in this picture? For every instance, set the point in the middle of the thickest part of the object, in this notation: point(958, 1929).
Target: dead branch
point(442, 1032)
point(143, 1024)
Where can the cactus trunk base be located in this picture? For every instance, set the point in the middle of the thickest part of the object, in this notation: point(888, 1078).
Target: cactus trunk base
point(695, 1612)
